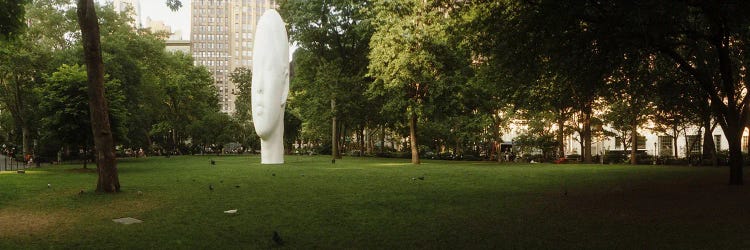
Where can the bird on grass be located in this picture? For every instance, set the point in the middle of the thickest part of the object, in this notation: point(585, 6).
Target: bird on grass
point(81, 192)
point(277, 239)
point(213, 162)
point(273, 174)
point(421, 178)
point(211, 187)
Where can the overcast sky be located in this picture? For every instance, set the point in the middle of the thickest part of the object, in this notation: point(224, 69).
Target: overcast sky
point(158, 10)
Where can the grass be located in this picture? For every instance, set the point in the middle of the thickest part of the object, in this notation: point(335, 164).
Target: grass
point(374, 203)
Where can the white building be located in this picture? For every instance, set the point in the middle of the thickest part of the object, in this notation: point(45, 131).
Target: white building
point(124, 5)
point(222, 39)
point(662, 145)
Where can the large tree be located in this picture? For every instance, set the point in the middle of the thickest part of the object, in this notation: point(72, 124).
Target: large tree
point(23, 63)
point(330, 66)
point(408, 58)
point(106, 162)
point(242, 78)
point(66, 119)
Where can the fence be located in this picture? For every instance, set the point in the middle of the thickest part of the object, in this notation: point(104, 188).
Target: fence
point(10, 164)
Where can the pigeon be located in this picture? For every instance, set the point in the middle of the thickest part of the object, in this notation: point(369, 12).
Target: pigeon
point(213, 162)
point(140, 193)
point(81, 192)
point(273, 174)
point(237, 186)
point(421, 178)
point(211, 187)
point(277, 239)
point(413, 179)
point(49, 185)
point(303, 175)
point(221, 181)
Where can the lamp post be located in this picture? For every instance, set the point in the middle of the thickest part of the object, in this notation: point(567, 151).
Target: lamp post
point(655, 152)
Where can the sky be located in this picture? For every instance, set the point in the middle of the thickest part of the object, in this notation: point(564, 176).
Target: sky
point(158, 10)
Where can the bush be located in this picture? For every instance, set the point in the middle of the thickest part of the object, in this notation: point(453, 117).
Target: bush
point(533, 157)
point(623, 156)
point(472, 157)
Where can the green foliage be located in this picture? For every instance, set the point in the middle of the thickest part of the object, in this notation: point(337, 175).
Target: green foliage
point(52, 24)
point(11, 18)
point(242, 78)
point(188, 95)
point(66, 119)
point(151, 92)
point(330, 64)
point(174, 5)
point(414, 66)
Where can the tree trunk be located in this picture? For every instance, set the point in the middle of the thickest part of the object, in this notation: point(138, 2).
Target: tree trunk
point(675, 134)
point(343, 146)
point(334, 135)
point(709, 147)
point(26, 138)
point(587, 133)
point(382, 139)
point(634, 143)
point(497, 139)
point(736, 162)
point(560, 135)
point(413, 138)
point(103, 142)
point(364, 143)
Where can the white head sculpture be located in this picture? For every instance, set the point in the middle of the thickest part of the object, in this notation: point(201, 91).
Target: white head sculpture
point(270, 85)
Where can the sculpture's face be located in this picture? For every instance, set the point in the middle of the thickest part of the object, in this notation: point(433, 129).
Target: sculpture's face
point(270, 84)
point(268, 98)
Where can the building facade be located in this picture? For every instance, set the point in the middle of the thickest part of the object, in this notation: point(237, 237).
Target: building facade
point(222, 40)
point(124, 5)
point(688, 141)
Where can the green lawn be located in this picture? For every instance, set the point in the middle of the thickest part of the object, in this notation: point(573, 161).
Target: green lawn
point(374, 203)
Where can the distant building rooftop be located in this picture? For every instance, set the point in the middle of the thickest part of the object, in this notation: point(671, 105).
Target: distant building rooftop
point(178, 45)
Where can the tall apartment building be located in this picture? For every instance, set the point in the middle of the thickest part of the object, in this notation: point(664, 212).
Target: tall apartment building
point(222, 40)
point(123, 5)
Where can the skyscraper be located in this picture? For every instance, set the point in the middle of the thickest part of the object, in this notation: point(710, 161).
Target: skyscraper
point(123, 5)
point(222, 40)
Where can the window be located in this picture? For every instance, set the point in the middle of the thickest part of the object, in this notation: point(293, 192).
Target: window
point(665, 146)
point(693, 144)
point(641, 142)
point(717, 142)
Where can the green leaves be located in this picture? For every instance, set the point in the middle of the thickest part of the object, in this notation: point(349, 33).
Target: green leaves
point(174, 5)
point(11, 18)
point(65, 107)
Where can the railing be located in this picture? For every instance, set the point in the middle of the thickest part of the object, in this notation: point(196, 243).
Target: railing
point(10, 164)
